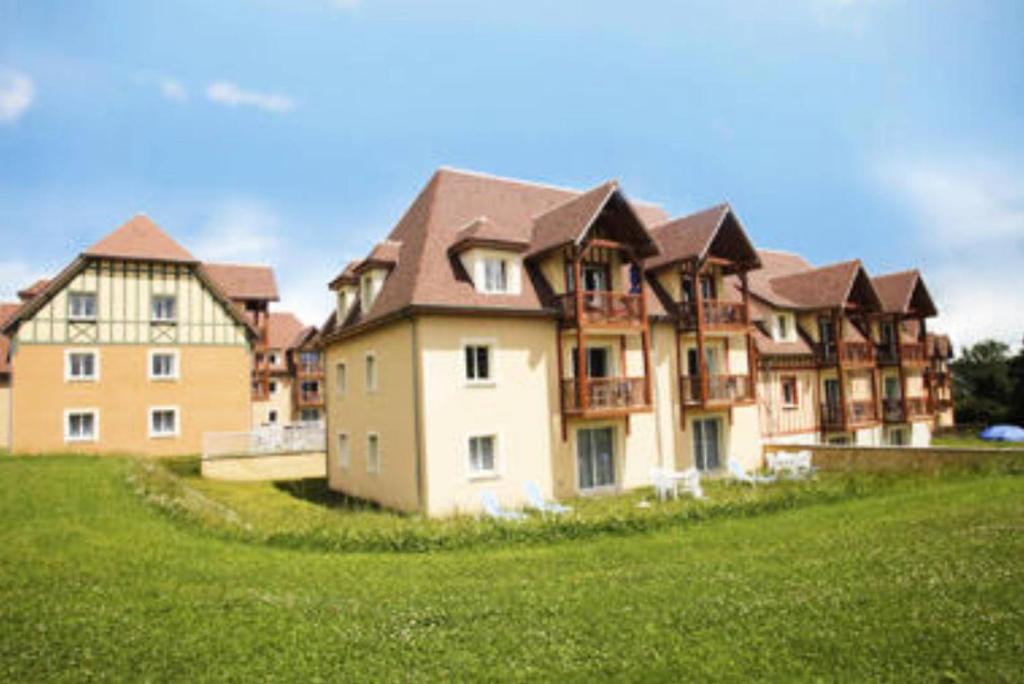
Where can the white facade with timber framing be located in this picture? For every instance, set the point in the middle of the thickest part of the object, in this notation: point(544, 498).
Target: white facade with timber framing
point(508, 332)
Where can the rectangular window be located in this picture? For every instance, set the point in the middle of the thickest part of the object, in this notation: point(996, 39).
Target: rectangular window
point(367, 293)
point(897, 437)
point(309, 415)
point(163, 365)
point(371, 373)
point(790, 397)
point(163, 422)
point(272, 417)
point(81, 425)
point(478, 363)
point(782, 326)
point(164, 309)
point(373, 453)
point(273, 386)
point(481, 456)
point(82, 306)
point(341, 375)
point(82, 365)
point(495, 275)
point(344, 451)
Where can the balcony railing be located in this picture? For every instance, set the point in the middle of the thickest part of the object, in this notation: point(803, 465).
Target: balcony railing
point(854, 353)
point(605, 393)
point(858, 412)
point(912, 353)
point(310, 369)
point(917, 407)
point(723, 389)
point(604, 307)
point(310, 398)
point(717, 314)
point(892, 410)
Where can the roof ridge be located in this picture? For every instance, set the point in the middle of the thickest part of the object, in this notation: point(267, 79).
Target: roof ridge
point(236, 264)
point(569, 200)
point(721, 205)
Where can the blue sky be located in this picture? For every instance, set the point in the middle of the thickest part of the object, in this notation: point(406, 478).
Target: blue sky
point(296, 132)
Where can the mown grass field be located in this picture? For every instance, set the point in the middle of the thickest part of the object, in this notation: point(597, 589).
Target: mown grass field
point(915, 580)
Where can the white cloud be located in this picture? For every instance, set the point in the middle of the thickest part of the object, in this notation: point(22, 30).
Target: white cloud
point(252, 231)
point(14, 276)
point(970, 219)
point(173, 89)
point(17, 91)
point(230, 94)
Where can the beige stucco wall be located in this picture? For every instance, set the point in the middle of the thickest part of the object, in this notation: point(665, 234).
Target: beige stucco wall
point(280, 401)
point(388, 411)
point(212, 394)
point(779, 421)
point(5, 413)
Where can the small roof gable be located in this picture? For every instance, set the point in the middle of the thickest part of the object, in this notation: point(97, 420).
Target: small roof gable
point(384, 255)
point(241, 282)
point(348, 276)
point(828, 287)
point(939, 346)
point(33, 289)
point(715, 231)
point(283, 328)
point(484, 232)
point(904, 292)
point(569, 221)
point(140, 238)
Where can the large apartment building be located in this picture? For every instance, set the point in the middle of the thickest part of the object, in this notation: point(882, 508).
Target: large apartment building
point(508, 332)
point(136, 346)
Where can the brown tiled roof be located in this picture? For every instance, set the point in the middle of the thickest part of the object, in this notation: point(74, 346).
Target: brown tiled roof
point(424, 275)
point(384, 254)
point(568, 221)
point(827, 287)
point(140, 238)
point(901, 292)
point(483, 232)
point(774, 264)
point(767, 346)
point(33, 289)
point(283, 327)
point(348, 275)
point(242, 282)
point(939, 346)
point(686, 237)
point(7, 310)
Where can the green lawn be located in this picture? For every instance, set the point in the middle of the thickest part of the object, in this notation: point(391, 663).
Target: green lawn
point(971, 440)
point(920, 580)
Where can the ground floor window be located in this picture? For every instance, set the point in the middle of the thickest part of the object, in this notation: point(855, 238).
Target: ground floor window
point(373, 453)
point(482, 456)
point(344, 451)
point(595, 458)
point(839, 440)
point(163, 422)
point(81, 425)
point(309, 415)
point(897, 437)
point(707, 444)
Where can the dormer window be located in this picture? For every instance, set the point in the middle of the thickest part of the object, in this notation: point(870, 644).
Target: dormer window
point(369, 291)
point(495, 275)
point(784, 330)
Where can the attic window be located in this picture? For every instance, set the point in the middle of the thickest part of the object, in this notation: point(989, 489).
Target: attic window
point(784, 331)
point(495, 275)
point(369, 288)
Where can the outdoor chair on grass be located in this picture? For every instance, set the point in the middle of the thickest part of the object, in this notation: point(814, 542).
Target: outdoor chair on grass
point(741, 475)
point(668, 482)
point(494, 510)
point(535, 500)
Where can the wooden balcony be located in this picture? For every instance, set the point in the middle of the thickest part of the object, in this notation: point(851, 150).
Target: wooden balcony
point(722, 390)
point(604, 308)
point(605, 396)
point(917, 407)
point(718, 315)
point(309, 398)
point(892, 411)
point(859, 413)
point(854, 354)
point(911, 354)
point(309, 370)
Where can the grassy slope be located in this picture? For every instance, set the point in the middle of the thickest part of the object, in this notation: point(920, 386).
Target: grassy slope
point(972, 441)
point(910, 584)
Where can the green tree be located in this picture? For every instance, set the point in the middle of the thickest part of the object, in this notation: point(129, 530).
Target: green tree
point(984, 387)
point(1017, 396)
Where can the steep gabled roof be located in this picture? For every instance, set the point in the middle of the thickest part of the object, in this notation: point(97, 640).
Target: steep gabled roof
point(348, 276)
point(697, 235)
point(828, 287)
point(483, 232)
point(903, 292)
point(384, 255)
point(7, 309)
point(141, 239)
point(243, 282)
point(425, 275)
point(283, 327)
point(33, 289)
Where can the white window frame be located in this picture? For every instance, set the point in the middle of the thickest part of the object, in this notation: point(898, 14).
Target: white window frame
point(94, 412)
point(174, 354)
point(95, 306)
point(491, 345)
point(374, 437)
point(503, 273)
point(495, 471)
point(153, 318)
point(341, 378)
point(371, 380)
point(163, 435)
point(68, 353)
point(789, 335)
point(344, 450)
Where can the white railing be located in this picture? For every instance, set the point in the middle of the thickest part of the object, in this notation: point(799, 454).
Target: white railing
point(266, 441)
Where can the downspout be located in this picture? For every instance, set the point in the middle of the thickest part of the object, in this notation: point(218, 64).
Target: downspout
point(417, 416)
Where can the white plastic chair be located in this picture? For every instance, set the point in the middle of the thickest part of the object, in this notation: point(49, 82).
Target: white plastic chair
point(741, 475)
point(535, 500)
point(494, 510)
